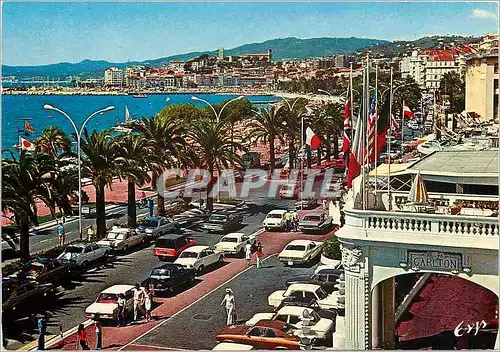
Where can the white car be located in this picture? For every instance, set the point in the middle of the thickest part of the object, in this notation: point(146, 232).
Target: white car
point(234, 243)
point(307, 292)
point(232, 346)
point(106, 304)
point(121, 239)
point(83, 253)
point(275, 219)
point(199, 258)
point(321, 327)
point(300, 252)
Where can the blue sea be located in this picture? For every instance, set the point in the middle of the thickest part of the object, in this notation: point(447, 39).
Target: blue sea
point(17, 107)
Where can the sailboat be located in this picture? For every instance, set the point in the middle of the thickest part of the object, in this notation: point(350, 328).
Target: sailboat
point(121, 127)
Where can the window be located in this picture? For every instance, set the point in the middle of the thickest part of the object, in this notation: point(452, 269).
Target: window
point(309, 296)
point(283, 318)
point(254, 332)
point(270, 333)
point(294, 320)
point(495, 68)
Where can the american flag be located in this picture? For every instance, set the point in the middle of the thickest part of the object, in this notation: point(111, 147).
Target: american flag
point(372, 120)
point(346, 144)
point(394, 124)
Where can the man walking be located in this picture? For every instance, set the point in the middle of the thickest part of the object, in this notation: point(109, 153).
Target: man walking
point(248, 253)
point(259, 255)
point(41, 336)
point(61, 234)
point(138, 299)
point(121, 309)
point(288, 221)
point(98, 332)
point(230, 306)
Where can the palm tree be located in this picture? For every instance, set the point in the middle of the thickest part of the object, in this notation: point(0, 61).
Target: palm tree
point(101, 164)
point(214, 149)
point(332, 126)
point(453, 86)
point(135, 154)
point(266, 126)
point(293, 112)
point(24, 179)
point(53, 141)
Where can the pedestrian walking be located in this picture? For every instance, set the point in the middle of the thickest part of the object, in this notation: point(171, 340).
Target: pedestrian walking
point(288, 221)
point(230, 306)
point(248, 253)
point(138, 300)
point(41, 334)
point(61, 234)
point(259, 255)
point(323, 202)
point(121, 309)
point(82, 338)
point(98, 332)
point(295, 221)
point(148, 302)
point(90, 233)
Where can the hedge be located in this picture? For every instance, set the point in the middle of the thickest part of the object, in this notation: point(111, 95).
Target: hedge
point(331, 248)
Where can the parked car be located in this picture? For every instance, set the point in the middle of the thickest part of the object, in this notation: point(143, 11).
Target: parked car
point(300, 301)
point(156, 226)
point(322, 328)
point(275, 219)
point(82, 253)
point(106, 304)
point(231, 346)
point(121, 239)
point(169, 246)
point(264, 335)
point(199, 258)
point(309, 203)
point(326, 278)
point(19, 296)
point(315, 223)
point(234, 243)
point(46, 270)
point(309, 292)
point(289, 191)
point(221, 223)
point(168, 277)
point(300, 252)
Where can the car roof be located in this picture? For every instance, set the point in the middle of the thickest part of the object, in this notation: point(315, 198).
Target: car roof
point(235, 234)
point(303, 287)
point(273, 324)
point(173, 236)
point(327, 270)
point(78, 244)
point(278, 211)
point(303, 242)
point(41, 260)
point(169, 266)
point(314, 213)
point(120, 229)
point(196, 249)
point(118, 289)
point(293, 310)
point(156, 218)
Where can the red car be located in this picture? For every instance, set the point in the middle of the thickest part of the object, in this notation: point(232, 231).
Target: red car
point(264, 335)
point(168, 247)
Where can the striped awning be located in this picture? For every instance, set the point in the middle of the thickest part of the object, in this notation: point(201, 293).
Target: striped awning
point(418, 192)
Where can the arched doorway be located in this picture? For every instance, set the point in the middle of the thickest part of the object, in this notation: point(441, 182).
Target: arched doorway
point(433, 311)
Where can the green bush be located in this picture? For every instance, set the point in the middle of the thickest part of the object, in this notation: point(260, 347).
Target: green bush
point(231, 201)
point(331, 248)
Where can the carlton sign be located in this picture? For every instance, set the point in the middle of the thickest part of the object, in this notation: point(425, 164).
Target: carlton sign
point(435, 261)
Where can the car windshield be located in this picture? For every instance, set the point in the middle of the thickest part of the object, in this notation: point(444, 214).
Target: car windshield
point(321, 293)
point(165, 243)
point(187, 254)
point(107, 298)
point(218, 217)
point(75, 250)
point(161, 273)
point(274, 216)
point(229, 239)
point(115, 236)
point(312, 218)
point(295, 247)
point(150, 223)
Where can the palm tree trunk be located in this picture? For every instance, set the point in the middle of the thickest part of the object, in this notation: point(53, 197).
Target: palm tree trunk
point(309, 157)
point(160, 209)
point(24, 239)
point(272, 156)
point(154, 178)
point(35, 211)
point(328, 148)
point(291, 154)
point(131, 206)
point(100, 210)
point(319, 151)
point(335, 147)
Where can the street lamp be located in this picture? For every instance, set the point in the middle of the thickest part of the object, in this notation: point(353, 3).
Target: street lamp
point(78, 140)
point(217, 117)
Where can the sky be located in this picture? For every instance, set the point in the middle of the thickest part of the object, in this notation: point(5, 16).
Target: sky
point(39, 33)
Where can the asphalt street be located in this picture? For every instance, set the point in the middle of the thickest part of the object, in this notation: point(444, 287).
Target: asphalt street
point(195, 328)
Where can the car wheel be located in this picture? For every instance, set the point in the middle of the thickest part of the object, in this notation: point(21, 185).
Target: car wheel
point(85, 264)
point(200, 270)
point(221, 259)
point(125, 249)
point(266, 228)
point(106, 254)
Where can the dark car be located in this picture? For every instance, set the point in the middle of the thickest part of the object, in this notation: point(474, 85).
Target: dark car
point(169, 246)
point(168, 277)
point(221, 222)
point(309, 203)
point(301, 302)
point(46, 270)
point(326, 278)
point(157, 226)
point(21, 296)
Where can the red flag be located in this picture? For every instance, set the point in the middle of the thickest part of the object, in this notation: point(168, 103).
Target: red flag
point(394, 124)
point(28, 127)
point(346, 143)
point(311, 139)
point(408, 112)
point(356, 155)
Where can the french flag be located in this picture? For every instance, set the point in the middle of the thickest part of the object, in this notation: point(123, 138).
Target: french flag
point(356, 156)
point(407, 112)
point(346, 143)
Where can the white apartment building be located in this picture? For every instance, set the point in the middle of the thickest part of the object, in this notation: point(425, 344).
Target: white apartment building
point(437, 66)
point(414, 66)
point(114, 77)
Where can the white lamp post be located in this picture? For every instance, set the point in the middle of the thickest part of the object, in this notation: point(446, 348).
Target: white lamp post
point(78, 140)
point(217, 117)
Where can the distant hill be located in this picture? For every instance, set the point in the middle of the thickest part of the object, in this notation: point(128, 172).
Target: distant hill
point(289, 48)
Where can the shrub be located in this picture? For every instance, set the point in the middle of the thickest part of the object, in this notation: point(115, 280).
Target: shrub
point(331, 248)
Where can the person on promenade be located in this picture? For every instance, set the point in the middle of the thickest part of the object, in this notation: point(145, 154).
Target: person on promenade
point(138, 299)
point(121, 309)
point(259, 255)
point(90, 233)
point(61, 234)
point(42, 327)
point(230, 306)
point(98, 332)
point(288, 221)
point(323, 203)
point(295, 221)
point(248, 253)
point(148, 302)
point(82, 338)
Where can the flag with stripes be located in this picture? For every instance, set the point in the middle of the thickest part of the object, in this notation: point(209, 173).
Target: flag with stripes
point(394, 124)
point(346, 143)
point(372, 120)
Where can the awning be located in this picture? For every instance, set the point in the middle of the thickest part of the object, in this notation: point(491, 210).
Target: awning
point(383, 169)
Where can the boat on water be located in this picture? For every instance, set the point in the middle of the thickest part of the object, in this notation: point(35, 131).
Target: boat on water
point(124, 126)
point(140, 95)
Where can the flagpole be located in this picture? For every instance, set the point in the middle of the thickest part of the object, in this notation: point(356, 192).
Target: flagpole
point(389, 145)
point(365, 124)
point(352, 103)
point(402, 128)
point(302, 163)
point(376, 129)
